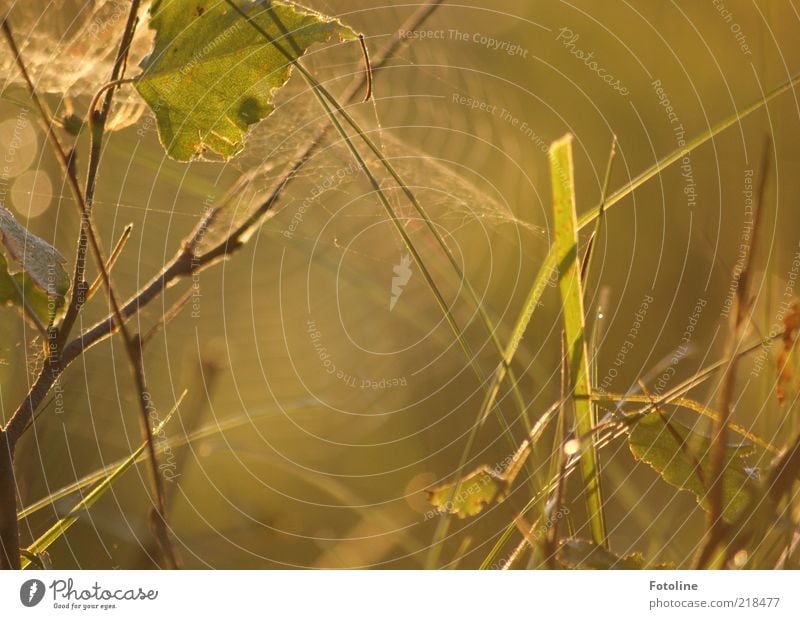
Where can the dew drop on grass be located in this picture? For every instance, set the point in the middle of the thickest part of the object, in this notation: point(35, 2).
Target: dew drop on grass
point(572, 446)
point(740, 558)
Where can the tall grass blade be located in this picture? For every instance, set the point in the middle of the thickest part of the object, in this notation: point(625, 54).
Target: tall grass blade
point(566, 243)
point(588, 257)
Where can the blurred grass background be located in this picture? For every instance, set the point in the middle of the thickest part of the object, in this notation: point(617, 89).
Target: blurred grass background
point(330, 471)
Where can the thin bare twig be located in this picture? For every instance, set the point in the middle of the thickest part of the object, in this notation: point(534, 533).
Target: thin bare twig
point(168, 316)
point(112, 260)
point(367, 67)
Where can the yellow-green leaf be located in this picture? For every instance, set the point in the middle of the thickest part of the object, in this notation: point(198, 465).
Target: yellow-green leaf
point(480, 488)
point(211, 74)
point(470, 495)
point(681, 457)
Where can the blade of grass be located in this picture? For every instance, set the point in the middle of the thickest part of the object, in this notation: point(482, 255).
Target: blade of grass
point(546, 550)
point(491, 395)
point(550, 261)
point(709, 555)
point(586, 264)
point(209, 430)
point(566, 243)
point(538, 429)
point(426, 218)
point(59, 528)
point(421, 211)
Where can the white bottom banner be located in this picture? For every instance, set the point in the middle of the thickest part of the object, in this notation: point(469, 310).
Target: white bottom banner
point(621, 594)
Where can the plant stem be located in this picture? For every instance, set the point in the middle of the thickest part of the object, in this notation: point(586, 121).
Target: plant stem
point(9, 529)
point(566, 242)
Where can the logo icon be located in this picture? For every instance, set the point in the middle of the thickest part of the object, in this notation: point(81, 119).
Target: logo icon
point(31, 592)
point(403, 274)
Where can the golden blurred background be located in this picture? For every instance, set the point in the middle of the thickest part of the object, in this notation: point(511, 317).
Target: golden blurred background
point(350, 394)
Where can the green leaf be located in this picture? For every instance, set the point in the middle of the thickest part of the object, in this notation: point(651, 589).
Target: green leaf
point(32, 274)
point(211, 75)
point(681, 456)
point(583, 554)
